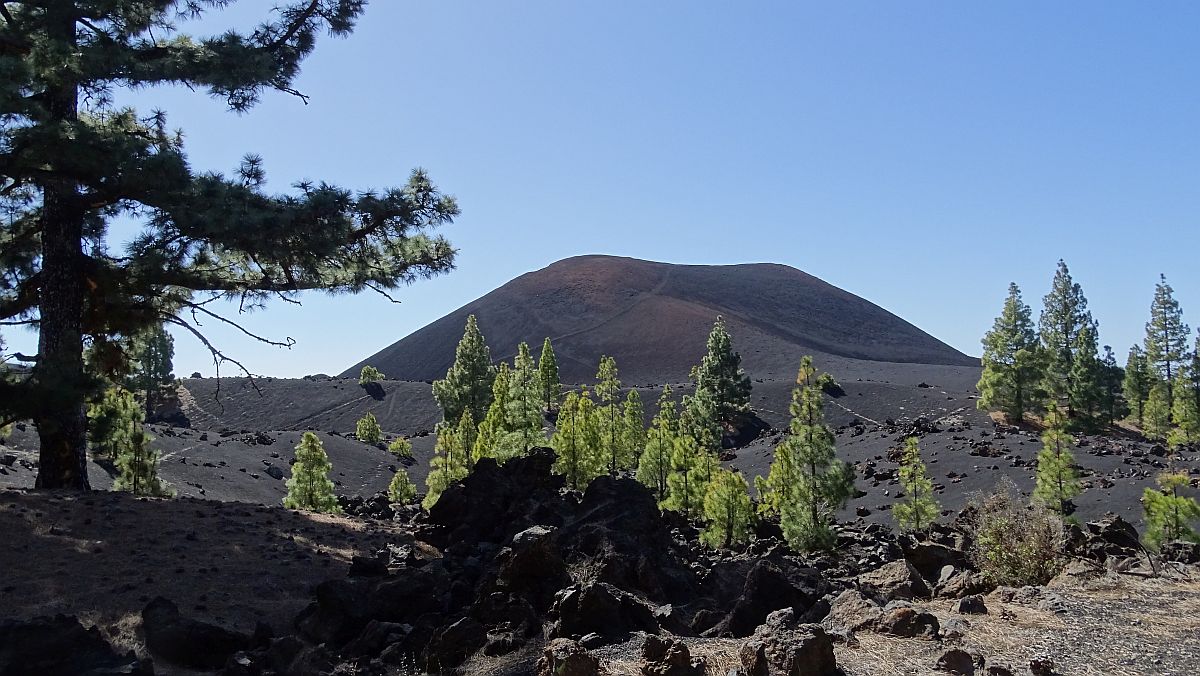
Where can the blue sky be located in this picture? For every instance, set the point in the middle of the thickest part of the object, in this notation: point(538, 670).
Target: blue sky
point(921, 155)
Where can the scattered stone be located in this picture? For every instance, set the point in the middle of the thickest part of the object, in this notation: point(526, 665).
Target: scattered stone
point(957, 661)
point(60, 646)
point(971, 605)
point(852, 611)
point(663, 657)
point(783, 646)
point(907, 622)
point(894, 581)
point(564, 657)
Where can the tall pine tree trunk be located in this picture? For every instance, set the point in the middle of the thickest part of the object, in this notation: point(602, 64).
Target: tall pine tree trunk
point(60, 419)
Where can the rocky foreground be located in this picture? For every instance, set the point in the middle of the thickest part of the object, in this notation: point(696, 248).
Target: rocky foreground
point(512, 574)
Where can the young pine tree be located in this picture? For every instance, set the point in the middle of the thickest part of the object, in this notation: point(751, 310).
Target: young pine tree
point(367, 429)
point(1012, 368)
point(576, 440)
point(1168, 513)
point(1139, 380)
point(548, 379)
point(524, 408)
point(1156, 424)
point(1086, 392)
point(1166, 337)
point(1064, 316)
point(76, 158)
point(369, 374)
point(401, 448)
point(690, 468)
point(309, 488)
point(494, 427)
point(401, 490)
point(449, 462)
point(654, 467)
point(699, 422)
point(112, 421)
point(468, 385)
point(720, 374)
point(1057, 480)
point(633, 428)
point(1185, 416)
point(1113, 406)
point(138, 466)
point(727, 511)
point(918, 509)
point(608, 390)
point(823, 483)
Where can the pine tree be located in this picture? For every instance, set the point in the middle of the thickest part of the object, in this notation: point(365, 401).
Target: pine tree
point(699, 421)
point(633, 429)
point(548, 377)
point(112, 421)
point(1138, 382)
point(138, 467)
point(1012, 363)
point(1113, 406)
point(495, 423)
point(369, 374)
point(918, 509)
point(608, 390)
point(151, 356)
point(367, 429)
point(690, 469)
point(1057, 480)
point(401, 448)
point(1169, 514)
point(524, 408)
point(1166, 337)
point(576, 440)
point(401, 490)
point(720, 374)
point(727, 511)
point(468, 435)
point(1185, 416)
point(449, 462)
point(1064, 315)
point(309, 488)
point(468, 384)
point(823, 483)
point(1086, 393)
point(654, 467)
point(74, 160)
point(1157, 413)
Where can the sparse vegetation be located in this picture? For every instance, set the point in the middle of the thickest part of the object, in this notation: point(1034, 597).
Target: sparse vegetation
point(367, 429)
point(918, 509)
point(401, 448)
point(310, 488)
point(1057, 480)
point(727, 510)
point(654, 467)
point(138, 467)
point(1169, 514)
point(401, 490)
point(369, 374)
point(1015, 543)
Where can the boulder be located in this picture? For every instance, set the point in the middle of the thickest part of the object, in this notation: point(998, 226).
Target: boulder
point(564, 657)
point(187, 642)
point(60, 646)
point(665, 657)
point(753, 589)
point(533, 566)
point(600, 608)
point(960, 583)
point(958, 661)
point(852, 611)
point(930, 557)
point(971, 605)
point(907, 622)
point(895, 581)
point(1181, 552)
point(784, 647)
point(453, 644)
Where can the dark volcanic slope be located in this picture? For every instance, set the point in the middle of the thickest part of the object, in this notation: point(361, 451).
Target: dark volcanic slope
point(654, 318)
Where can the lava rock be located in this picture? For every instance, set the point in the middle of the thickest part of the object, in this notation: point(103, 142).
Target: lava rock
point(564, 657)
point(895, 581)
point(185, 641)
point(663, 657)
point(852, 611)
point(783, 646)
point(907, 622)
point(957, 661)
point(971, 605)
point(60, 646)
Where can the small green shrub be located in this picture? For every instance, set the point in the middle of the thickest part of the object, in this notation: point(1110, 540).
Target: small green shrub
point(402, 491)
point(829, 386)
point(401, 448)
point(369, 374)
point(1016, 543)
point(367, 430)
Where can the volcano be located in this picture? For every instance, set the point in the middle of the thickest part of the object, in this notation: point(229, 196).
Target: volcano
point(654, 319)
